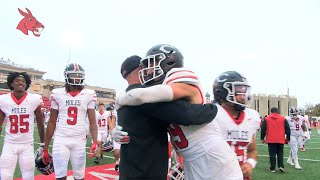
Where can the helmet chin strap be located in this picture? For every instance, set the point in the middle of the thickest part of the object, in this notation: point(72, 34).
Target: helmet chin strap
point(239, 107)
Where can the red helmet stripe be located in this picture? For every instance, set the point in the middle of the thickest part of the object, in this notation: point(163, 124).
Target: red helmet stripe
point(76, 67)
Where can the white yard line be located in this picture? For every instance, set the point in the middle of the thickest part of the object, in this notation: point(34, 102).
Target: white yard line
point(314, 160)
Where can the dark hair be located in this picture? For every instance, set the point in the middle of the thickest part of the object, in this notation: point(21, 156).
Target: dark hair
point(100, 104)
point(274, 110)
point(13, 75)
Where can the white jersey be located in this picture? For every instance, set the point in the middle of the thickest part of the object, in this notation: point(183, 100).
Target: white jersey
point(102, 121)
point(20, 116)
point(46, 116)
point(114, 113)
point(192, 141)
point(306, 121)
point(238, 133)
point(72, 111)
point(295, 126)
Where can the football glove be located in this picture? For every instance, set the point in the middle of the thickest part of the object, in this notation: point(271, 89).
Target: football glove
point(119, 136)
point(93, 149)
point(45, 157)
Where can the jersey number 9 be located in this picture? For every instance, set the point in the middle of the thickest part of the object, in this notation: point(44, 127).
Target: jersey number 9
point(72, 114)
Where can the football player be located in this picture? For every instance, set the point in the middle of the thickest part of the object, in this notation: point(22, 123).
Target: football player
point(306, 137)
point(46, 115)
point(298, 130)
point(318, 123)
point(238, 123)
point(206, 154)
point(20, 109)
point(112, 122)
point(102, 123)
point(69, 108)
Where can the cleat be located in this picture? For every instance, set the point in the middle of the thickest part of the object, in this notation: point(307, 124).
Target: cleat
point(273, 171)
point(281, 169)
point(97, 160)
point(303, 150)
point(297, 166)
point(289, 161)
point(116, 168)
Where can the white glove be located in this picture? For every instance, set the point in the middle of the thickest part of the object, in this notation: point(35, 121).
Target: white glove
point(119, 136)
point(40, 149)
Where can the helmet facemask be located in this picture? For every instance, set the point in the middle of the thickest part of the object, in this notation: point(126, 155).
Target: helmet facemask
point(75, 78)
point(238, 88)
point(293, 113)
point(152, 63)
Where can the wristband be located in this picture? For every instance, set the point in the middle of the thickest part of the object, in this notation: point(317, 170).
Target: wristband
point(252, 162)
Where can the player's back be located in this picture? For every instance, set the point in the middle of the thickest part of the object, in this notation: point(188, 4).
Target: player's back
point(192, 141)
point(20, 116)
point(72, 111)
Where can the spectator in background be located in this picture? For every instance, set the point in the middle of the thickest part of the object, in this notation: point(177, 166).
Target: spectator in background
point(277, 132)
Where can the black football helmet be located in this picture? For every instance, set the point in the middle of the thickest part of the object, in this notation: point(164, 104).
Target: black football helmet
point(293, 112)
point(229, 84)
point(107, 146)
point(158, 61)
point(44, 169)
point(74, 74)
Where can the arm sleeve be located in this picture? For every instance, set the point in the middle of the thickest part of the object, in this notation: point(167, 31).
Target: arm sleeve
point(287, 129)
point(153, 94)
point(93, 99)
point(181, 112)
point(263, 129)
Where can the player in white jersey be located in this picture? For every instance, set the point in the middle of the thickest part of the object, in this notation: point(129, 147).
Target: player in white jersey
point(69, 108)
point(20, 109)
point(46, 115)
point(112, 122)
point(238, 123)
point(304, 139)
point(318, 124)
point(206, 154)
point(102, 123)
point(297, 129)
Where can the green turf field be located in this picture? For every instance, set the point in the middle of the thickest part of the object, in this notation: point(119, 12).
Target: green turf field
point(309, 161)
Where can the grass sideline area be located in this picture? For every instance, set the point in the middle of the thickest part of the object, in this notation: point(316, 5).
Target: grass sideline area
point(309, 160)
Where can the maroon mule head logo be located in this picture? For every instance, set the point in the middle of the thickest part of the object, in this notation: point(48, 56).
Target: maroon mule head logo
point(29, 23)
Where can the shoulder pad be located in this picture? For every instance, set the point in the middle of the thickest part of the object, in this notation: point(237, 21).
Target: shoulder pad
point(181, 75)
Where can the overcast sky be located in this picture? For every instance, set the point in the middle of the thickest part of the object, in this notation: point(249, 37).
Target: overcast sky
point(275, 44)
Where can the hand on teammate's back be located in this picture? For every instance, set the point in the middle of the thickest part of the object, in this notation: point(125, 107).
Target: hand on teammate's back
point(120, 136)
